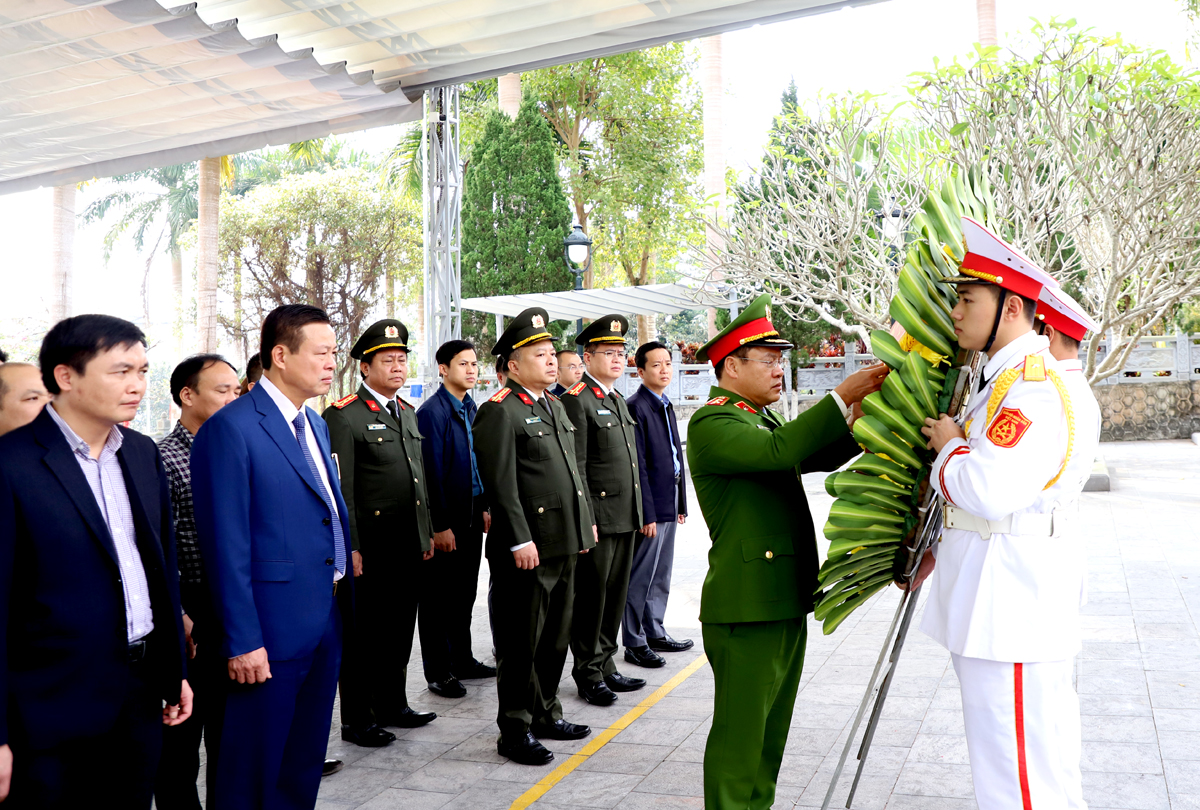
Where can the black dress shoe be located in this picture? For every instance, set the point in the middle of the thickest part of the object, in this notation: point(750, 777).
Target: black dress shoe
point(619, 683)
point(644, 657)
point(370, 737)
point(407, 718)
point(598, 694)
point(331, 767)
point(449, 688)
point(474, 670)
point(524, 750)
point(668, 644)
point(561, 730)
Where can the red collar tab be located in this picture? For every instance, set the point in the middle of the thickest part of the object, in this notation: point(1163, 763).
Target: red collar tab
point(528, 400)
point(743, 334)
point(599, 394)
point(372, 405)
point(746, 407)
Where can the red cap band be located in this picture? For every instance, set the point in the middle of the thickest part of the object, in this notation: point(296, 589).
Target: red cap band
point(760, 327)
point(1002, 275)
point(1052, 317)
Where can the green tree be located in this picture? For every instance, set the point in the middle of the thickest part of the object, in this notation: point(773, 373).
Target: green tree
point(324, 238)
point(514, 215)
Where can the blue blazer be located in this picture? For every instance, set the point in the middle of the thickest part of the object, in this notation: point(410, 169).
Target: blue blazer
point(265, 532)
point(447, 455)
point(654, 457)
point(64, 661)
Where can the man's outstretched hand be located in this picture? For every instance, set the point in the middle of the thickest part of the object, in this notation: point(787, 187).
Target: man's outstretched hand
point(940, 431)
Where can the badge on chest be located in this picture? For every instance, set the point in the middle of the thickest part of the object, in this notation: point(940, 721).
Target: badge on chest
point(376, 426)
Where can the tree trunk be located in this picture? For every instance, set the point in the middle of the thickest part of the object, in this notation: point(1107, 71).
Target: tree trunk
point(509, 91)
point(62, 253)
point(713, 86)
point(985, 11)
point(389, 291)
point(206, 249)
point(177, 292)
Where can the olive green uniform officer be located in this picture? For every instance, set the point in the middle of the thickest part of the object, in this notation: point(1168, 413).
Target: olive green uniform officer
point(373, 434)
point(541, 522)
point(746, 464)
point(606, 454)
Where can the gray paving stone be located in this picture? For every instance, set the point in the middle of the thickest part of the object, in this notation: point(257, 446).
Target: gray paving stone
point(402, 755)
point(592, 789)
point(1171, 689)
point(943, 721)
point(675, 778)
point(1183, 776)
point(447, 776)
point(479, 747)
point(936, 779)
point(1125, 791)
point(1113, 757)
point(901, 801)
point(947, 748)
point(400, 799)
point(1180, 745)
point(1127, 729)
point(811, 741)
point(488, 794)
point(355, 785)
point(662, 732)
point(452, 730)
point(617, 757)
point(659, 801)
point(1112, 678)
point(1116, 705)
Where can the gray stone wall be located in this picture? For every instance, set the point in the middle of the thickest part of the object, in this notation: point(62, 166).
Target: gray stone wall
point(1148, 411)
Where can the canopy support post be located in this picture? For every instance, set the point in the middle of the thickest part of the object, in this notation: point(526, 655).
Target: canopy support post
point(442, 219)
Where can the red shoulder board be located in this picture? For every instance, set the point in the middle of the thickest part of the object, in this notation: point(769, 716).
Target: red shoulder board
point(372, 405)
point(500, 395)
point(746, 407)
point(717, 401)
point(1009, 427)
point(528, 400)
point(576, 389)
point(599, 394)
point(344, 401)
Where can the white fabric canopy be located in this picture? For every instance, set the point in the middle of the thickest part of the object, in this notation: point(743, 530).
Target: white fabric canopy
point(92, 88)
point(651, 299)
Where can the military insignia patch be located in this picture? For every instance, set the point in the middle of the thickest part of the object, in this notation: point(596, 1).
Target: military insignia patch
point(500, 395)
point(599, 394)
point(746, 407)
point(528, 400)
point(391, 331)
point(767, 313)
point(538, 321)
point(372, 405)
point(1008, 428)
point(717, 401)
point(615, 326)
point(577, 389)
point(344, 401)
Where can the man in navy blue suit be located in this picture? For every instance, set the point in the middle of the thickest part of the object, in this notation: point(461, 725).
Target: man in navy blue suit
point(275, 540)
point(91, 637)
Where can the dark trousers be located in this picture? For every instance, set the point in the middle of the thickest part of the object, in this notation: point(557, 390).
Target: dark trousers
point(207, 673)
point(756, 668)
point(275, 736)
point(449, 582)
point(113, 769)
point(601, 585)
point(533, 620)
point(377, 649)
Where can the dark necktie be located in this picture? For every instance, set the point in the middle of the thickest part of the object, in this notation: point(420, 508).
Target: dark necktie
point(982, 382)
point(545, 403)
point(391, 406)
point(339, 548)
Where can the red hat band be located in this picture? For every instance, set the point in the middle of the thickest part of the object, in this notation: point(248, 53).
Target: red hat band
point(752, 330)
point(1052, 317)
point(1002, 275)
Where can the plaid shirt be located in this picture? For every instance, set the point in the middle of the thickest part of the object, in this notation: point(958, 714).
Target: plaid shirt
point(176, 449)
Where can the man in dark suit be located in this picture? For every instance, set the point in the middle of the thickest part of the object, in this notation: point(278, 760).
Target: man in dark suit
point(541, 521)
point(92, 636)
point(374, 435)
point(275, 540)
point(460, 517)
point(664, 507)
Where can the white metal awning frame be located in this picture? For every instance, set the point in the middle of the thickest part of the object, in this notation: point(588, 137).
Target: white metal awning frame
point(650, 299)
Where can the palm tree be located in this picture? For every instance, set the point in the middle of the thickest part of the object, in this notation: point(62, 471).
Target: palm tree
point(62, 252)
point(985, 11)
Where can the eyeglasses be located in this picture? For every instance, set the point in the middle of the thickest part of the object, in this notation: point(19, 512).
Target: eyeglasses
point(612, 355)
point(770, 364)
point(574, 367)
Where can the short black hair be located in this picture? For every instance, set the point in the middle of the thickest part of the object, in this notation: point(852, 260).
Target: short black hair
point(451, 349)
point(187, 373)
point(502, 365)
point(284, 327)
point(1029, 306)
point(254, 367)
point(640, 358)
point(3, 356)
point(740, 352)
point(561, 352)
point(75, 341)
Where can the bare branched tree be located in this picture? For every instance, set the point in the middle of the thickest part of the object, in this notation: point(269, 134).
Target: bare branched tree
point(822, 224)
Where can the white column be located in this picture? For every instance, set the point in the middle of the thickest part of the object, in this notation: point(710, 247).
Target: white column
point(207, 223)
point(510, 93)
point(713, 84)
point(62, 253)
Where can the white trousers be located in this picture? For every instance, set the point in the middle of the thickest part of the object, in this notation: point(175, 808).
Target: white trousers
point(1023, 734)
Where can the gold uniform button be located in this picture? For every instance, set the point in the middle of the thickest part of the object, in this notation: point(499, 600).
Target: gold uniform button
point(770, 554)
point(418, 503)
point(579, 492)
point(415, 481)
point(379, 439)
point(376, 513)
point(541, 509)
point(602, 494)
point(608, 424)
point(539, 433)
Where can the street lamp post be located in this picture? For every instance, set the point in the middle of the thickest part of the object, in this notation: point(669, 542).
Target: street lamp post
point(577, 251)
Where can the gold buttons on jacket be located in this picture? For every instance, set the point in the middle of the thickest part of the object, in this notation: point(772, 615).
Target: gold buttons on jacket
point(770, 554)
point(415, 481)
point(602, 494)
point(418, 503)
point(541, 509)
point(376, 513)
point(379, 439)
point(579, 492)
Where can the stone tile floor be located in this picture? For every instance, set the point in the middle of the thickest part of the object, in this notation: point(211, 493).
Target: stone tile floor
point(1138, 679)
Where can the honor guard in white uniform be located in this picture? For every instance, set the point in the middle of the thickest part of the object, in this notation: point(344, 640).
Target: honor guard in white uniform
point(1004, 598)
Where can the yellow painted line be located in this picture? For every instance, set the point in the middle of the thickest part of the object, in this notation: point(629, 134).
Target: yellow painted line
point(600, 740)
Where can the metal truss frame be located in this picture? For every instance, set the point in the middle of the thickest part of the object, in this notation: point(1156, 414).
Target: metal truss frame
point(443, 189)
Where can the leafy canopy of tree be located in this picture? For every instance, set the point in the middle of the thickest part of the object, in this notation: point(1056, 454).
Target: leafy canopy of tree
point(323, 238)
point(514, 215)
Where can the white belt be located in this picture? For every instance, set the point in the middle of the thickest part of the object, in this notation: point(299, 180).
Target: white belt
point(1021, 524)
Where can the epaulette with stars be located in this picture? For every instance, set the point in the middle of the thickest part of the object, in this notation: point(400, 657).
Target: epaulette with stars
point(344, 401)
point(500, 395)
point(577, 389)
